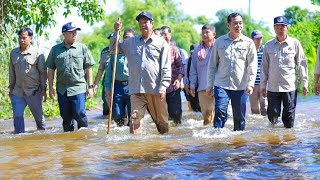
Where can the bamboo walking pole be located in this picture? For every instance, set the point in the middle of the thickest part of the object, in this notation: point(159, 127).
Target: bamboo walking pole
point(113, 79)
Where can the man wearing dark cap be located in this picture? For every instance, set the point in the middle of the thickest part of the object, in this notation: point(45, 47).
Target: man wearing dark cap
point(258, 102)
point(283, 58)
point(73, 62)
point(149, 65)
point(103, 63)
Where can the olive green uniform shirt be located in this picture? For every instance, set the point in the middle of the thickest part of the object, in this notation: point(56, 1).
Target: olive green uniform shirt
point(70, 64)
point(27, 71)
point(104, 58)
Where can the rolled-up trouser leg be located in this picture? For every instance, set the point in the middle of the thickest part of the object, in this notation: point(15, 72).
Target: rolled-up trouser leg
point(207, 107)
point(159, 112)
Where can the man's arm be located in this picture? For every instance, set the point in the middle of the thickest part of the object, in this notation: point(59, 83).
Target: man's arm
point(50, 83)
point(12, 77)
point(264, 71)
point(43, 75)
point(252, 67)
point(89, 80)
point(303, 69)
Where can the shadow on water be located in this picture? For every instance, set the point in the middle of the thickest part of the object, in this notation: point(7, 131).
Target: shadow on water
point(188, 151)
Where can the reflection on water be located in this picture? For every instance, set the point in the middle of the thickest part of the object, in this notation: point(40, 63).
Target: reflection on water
point(189, 151)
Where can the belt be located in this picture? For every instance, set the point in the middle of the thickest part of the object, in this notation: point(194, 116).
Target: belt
point(123, 83)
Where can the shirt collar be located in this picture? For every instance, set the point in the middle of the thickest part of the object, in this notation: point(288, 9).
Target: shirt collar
point(28, 51)
point(239, 38)
point(74, 45)
point(288, 40)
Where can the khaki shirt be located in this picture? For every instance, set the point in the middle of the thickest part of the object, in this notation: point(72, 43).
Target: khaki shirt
point(149, 63)
point(28, 72)
point(280, 64)
point(104, 58)
point(233, 63)
point(317, 69)
point(70, 64)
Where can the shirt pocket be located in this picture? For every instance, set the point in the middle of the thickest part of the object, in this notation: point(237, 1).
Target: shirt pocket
point(241, 52)
point(31, 63)
point(154, 52)
point(289, 58)
point(78, 61)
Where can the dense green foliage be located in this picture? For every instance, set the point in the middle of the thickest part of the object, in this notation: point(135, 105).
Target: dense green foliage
point(38, 15)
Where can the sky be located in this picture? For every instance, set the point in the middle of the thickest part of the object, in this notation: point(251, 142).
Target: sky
point(261, 10)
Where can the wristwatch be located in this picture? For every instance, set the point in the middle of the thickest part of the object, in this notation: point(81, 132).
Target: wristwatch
point(90, 86)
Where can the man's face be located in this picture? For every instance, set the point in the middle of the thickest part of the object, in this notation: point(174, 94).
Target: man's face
point(128, 35)
point(70, 36)
point(145, 25)
point(257, 41)
point(24, 39)
point(280, 30)
point(235, 25)
point(166, 35)
point(208, 35)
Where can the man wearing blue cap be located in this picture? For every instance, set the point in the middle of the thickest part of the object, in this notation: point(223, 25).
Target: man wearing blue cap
point(283, 58)
point(149, 65)
point(258, 102)
point(73, 62)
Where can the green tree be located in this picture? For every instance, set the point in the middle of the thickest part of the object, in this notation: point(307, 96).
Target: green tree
point(38, 15)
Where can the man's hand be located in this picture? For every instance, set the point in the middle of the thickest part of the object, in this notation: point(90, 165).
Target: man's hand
point(162, 95)
point(316, 88)
point(52, 93)
point(44, 95)
point(249, 90)
point(117, 25)
point(10, 93)
point(192, 92)
point(186, 88)
point(305, 91)
point(209, 91)
point(90, 93)
point(95, 88)
point(176, 84)
point(263, 91)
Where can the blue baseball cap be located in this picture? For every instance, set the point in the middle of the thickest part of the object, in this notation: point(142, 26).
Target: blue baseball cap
point(70, 26)
point(280, 20)
point(145, 14)
point(256, 34)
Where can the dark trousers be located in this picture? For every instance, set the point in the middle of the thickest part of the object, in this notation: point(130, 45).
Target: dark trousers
point(104, 98)
point(73, 108)
point(238, 102)
point(174, 105)
point(121, 105)
point(194, 101)
point(289, 102)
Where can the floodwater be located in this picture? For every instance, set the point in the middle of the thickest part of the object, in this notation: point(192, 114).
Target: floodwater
point(188, 151)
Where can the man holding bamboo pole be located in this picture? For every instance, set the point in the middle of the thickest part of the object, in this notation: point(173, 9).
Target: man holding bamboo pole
point(149, 73)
